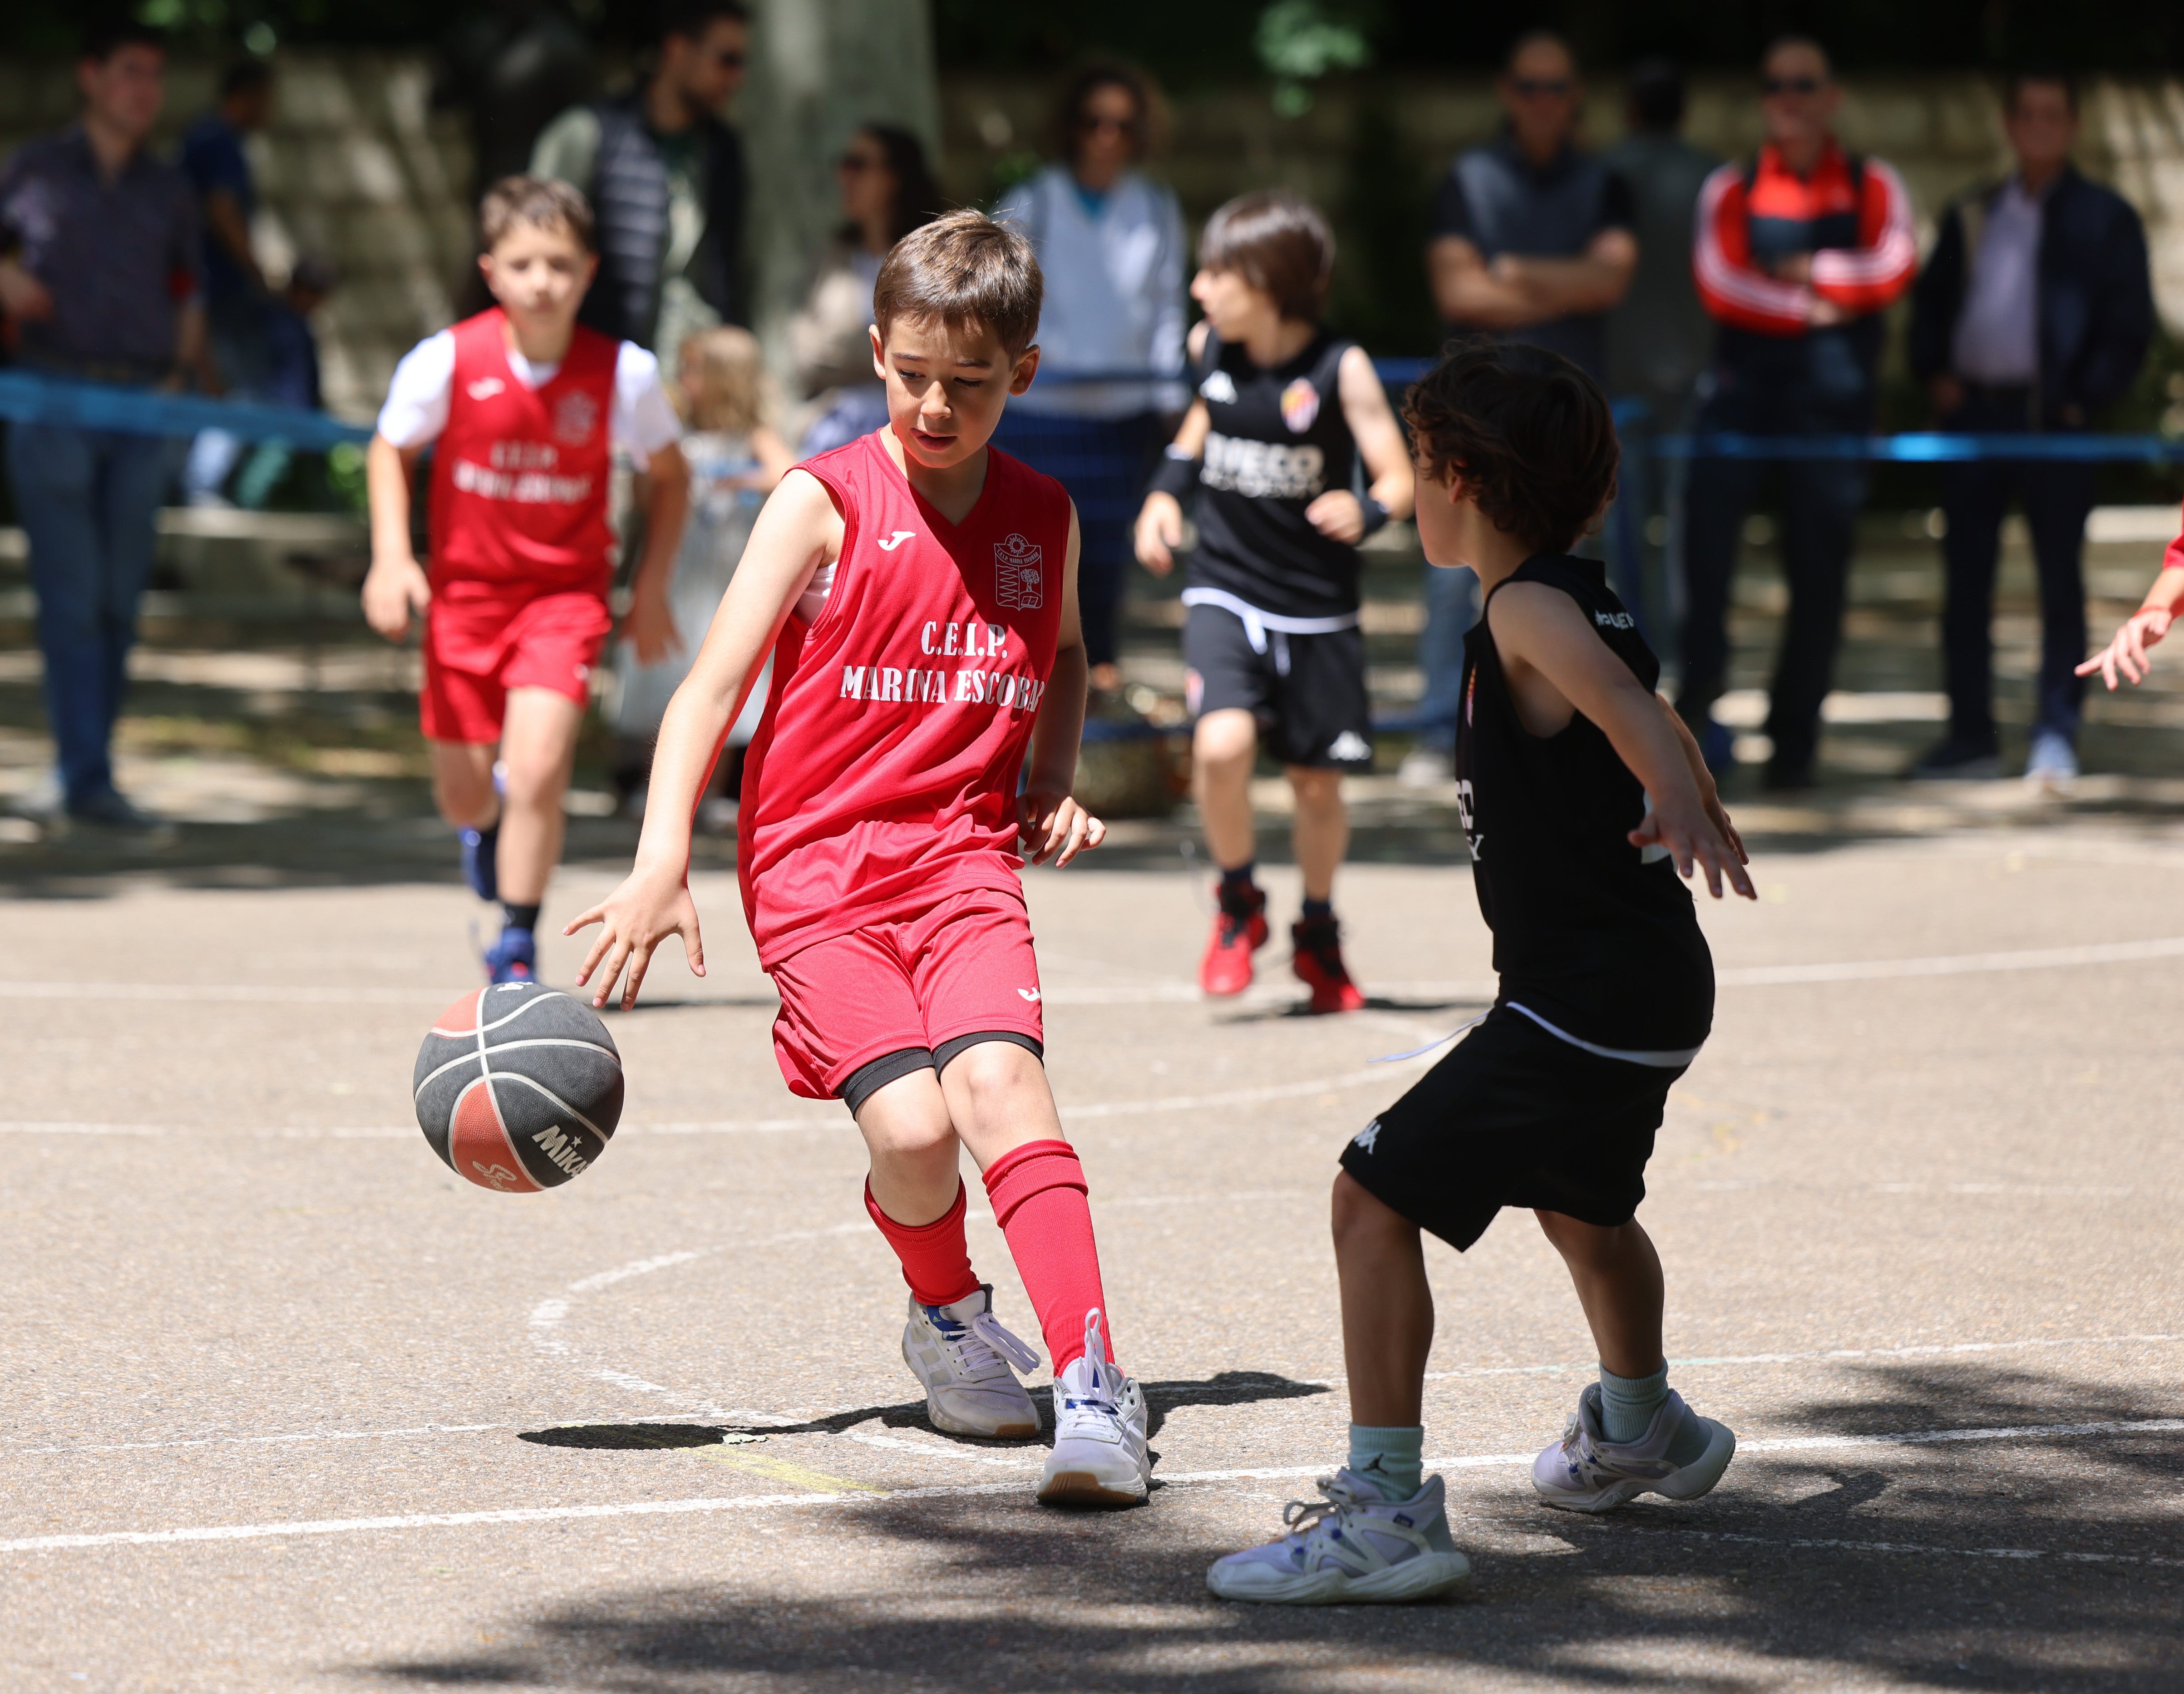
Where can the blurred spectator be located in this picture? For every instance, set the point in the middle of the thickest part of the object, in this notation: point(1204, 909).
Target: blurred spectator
point(2034, 313)
point(1659, 337)
point(888, 190)
point(1531, 242)
point(1796, 254)
point(664, 176)
point(1531, 237)
point(235, 294)
point(1110, 241)
point(736, 456)
point(99, 257)
point(289, 376)
point(511, 66)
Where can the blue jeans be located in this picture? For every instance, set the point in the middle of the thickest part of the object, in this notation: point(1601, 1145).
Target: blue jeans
point(88, 499)
point(1452, 608)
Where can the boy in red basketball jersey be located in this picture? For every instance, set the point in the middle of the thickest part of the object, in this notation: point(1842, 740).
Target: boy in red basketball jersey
point(917, 589)
point(526, 406)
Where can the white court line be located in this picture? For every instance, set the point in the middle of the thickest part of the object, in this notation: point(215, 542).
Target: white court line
point(1748, 976)
point(634, 1508)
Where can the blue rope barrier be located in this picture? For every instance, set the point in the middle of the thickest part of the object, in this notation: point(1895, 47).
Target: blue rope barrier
point(27, 397)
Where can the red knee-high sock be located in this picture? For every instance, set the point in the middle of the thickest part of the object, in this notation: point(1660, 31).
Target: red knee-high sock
point(936, 1259)
point(1038, 1192)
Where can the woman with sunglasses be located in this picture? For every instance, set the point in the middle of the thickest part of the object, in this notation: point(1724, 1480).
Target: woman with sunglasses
point(888, 190)
point(1110, 241)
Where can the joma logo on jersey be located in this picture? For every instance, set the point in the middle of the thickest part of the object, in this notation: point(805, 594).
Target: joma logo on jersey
point(1019, 580)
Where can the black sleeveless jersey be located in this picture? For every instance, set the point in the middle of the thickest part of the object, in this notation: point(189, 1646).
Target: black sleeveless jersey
point(1278, 442)
point(1595, 935)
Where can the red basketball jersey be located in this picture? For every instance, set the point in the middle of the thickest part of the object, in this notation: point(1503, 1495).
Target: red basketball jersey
point(884, 773)
point(519, 474)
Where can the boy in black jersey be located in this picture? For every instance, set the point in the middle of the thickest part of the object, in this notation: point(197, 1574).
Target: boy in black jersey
point(1284, 410)
point(1584, 799)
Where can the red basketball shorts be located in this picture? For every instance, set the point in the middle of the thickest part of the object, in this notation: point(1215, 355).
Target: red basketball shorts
point(477, 646)
point(960, 967)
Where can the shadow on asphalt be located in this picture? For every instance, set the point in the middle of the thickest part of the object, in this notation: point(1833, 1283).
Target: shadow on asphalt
point(1223, 1388)
point(2042, 1564)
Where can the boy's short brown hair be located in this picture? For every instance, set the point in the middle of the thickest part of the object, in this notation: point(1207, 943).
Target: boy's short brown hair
point(1277, 243)
point(539, 201)
point(1528, 432)
point(960, 269)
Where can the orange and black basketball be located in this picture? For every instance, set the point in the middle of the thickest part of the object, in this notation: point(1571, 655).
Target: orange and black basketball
point(518, 1087)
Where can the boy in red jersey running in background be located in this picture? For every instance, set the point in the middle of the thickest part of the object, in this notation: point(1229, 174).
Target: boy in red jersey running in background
point(1285, 408)
point(525, 406)
point(918, 591)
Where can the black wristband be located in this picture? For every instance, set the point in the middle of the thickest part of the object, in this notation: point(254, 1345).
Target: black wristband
point(1376, 515)
point(1174, 475)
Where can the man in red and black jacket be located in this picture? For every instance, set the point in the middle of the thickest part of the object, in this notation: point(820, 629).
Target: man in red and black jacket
point(1795, 255)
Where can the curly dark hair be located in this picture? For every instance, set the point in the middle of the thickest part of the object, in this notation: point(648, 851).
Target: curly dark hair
point(1528, 432)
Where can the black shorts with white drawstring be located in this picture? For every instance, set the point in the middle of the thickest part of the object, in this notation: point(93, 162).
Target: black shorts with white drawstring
point(1307, 691)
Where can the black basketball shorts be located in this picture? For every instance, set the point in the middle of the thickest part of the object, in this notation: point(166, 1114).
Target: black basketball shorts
point(1514, 1116)
point(1308, 692)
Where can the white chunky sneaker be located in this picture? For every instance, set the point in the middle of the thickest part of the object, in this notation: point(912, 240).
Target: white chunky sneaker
point(1099, 1456)
point(962, 1356)
point(1681, 1455)
point(1351, 1546)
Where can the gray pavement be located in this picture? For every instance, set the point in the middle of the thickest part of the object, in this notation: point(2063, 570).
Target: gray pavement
point(291, 1408)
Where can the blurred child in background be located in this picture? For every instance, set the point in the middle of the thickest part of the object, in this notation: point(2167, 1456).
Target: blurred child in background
point(736, 456)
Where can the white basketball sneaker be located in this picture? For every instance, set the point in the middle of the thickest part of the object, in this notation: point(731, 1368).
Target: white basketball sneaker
point(1681, 1455)
point(962, 1356)
point(1099, 1456)
point(1351, 1546)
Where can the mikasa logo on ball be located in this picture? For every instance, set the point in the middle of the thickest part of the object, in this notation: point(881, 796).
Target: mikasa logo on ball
point(1018, 581)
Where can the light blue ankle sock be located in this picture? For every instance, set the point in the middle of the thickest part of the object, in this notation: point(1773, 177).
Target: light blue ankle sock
point(1628, 1403)
point(1393, 1460)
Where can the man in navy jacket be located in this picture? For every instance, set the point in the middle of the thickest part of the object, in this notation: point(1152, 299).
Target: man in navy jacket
point(2033, 313)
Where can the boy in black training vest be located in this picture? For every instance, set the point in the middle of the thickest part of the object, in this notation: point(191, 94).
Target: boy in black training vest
point(1584, 799)
point(1285, 410)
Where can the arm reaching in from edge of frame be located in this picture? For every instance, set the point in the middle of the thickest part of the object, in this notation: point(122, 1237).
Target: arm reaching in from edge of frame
point(1556, 666)
point(2144, 628)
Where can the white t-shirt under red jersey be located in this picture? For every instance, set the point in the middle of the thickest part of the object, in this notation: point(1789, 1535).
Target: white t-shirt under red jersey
point(883, 775)
point(641, 418)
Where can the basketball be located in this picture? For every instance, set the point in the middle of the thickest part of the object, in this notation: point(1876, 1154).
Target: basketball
point(518, 1088)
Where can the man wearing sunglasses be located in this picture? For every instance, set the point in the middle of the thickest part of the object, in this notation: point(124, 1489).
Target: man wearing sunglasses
point(1797, 253)
point(1532, 242)
point(666, 179)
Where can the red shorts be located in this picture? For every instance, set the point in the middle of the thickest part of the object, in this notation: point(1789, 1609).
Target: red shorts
point(477, 646)
point(960, 967)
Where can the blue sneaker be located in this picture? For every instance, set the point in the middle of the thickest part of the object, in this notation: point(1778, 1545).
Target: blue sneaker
point(480, 849)
point(514, 958)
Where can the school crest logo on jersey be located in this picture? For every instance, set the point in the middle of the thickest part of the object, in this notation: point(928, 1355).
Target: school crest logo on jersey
point(1219, 388)
point(575, 417)
point(1299, 405)
point(1019, 577)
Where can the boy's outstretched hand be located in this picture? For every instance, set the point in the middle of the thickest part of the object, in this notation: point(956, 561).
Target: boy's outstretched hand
point(1706, 839)
point(648, 907)
point(2126, 653)
point(1055, 827)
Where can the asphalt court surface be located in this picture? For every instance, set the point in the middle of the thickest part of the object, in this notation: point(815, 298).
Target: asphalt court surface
point(291, 1407)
